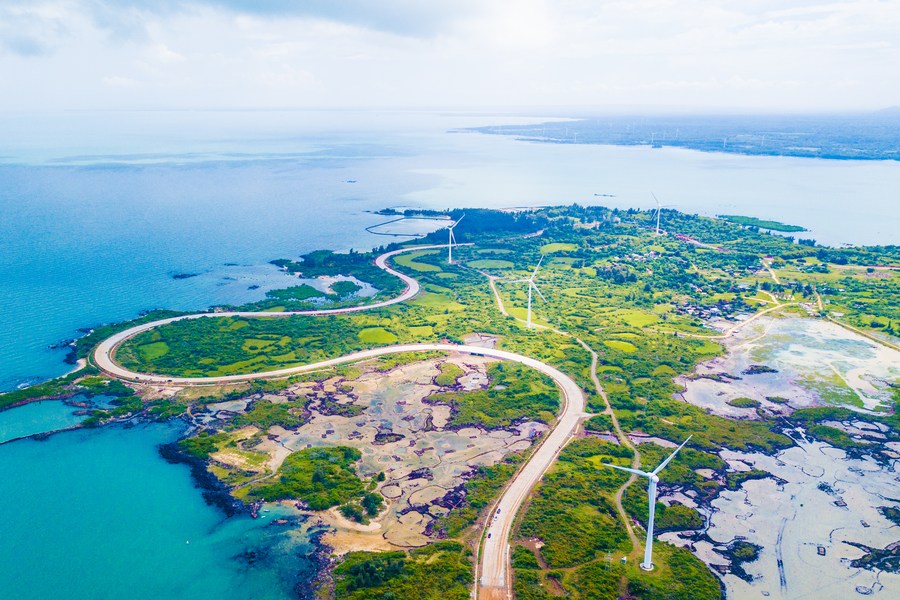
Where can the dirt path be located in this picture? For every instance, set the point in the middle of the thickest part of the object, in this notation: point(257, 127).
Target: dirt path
point(623, 439)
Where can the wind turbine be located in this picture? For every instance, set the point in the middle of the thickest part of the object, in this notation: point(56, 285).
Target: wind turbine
point(659, 207)
point(451, 239)
point(653, 477)
point(531, 286)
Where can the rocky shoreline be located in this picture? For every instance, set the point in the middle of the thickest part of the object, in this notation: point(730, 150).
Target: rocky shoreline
point(215, 493)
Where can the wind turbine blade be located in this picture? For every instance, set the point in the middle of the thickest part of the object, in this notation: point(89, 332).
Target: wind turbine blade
point(458, 220)
point(663, 464)
point(517, 281)
point(654, 198)
point(537, 267)
point(627, 470)
point(537, 290)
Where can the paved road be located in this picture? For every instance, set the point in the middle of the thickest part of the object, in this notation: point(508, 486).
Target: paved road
point(494, 575)
point(105, 352)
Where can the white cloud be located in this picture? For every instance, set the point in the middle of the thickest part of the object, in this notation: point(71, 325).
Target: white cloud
point(767, 54)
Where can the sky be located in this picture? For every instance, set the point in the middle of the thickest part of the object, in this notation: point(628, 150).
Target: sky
point(752, 55)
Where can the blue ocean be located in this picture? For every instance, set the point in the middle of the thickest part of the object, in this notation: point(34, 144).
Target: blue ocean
point(103, 216)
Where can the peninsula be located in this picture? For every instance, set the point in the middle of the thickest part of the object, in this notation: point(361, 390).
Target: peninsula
point(450, 430)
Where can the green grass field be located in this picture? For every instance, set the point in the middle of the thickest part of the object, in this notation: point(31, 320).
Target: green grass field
point(410, 261)
point(557, 247)
point(377, 335)
point(490, 263)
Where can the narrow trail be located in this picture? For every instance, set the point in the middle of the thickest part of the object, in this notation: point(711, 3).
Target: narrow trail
point(625, 441)
point(623, 438)
point(768, 266)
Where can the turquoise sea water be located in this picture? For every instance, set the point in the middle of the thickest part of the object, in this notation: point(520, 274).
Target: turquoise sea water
point(97, 514)
point(99, 212)
point(36, 417)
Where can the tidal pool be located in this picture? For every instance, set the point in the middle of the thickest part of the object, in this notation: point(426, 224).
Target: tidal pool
point(817, 363)
point(803, 518)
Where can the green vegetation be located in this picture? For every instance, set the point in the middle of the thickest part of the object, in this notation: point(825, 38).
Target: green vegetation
point(640, 301)
point(345, 288)
point(377, 336)
point(448, 375)
point(572, 513)
point(621, 346)
point(557, 247)
point(203, 444)
point(57, 388)
point(360, 512)
point(765, 224)
point(523, 558)
point(743, 403)
point(409, 261)
point(890, 513)
point(572, 510)
point(490, 263)
point(515, 392)
point(296, 293)
point(352, 264)
point(320, 477)
point(442, 570)
point(811, 419)
point(481, 490)
point(265, 414)
point(734, 479)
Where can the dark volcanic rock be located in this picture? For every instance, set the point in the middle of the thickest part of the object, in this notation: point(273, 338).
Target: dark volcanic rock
point(214, 491)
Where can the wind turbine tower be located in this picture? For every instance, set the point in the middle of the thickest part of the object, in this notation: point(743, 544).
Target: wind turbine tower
point(531, 286)
point(659, 208)
point(653, 477)
point(451, 240)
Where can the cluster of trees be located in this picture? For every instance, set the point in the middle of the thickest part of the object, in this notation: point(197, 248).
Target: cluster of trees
point(442, 570)
point(515, 392)
point(320, 477)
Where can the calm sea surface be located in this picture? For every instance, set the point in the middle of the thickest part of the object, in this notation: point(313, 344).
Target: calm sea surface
point(98, 213)
point(94, 514)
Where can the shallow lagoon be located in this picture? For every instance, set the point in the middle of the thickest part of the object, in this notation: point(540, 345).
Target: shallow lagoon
point(826, 499)
point(818, 363)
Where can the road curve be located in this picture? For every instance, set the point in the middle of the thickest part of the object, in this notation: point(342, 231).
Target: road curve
point(105, 351)
point(494, 565)
point(494, 579)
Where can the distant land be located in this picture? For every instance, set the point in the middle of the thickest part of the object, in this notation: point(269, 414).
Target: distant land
point(763, 223)
point(856, 136)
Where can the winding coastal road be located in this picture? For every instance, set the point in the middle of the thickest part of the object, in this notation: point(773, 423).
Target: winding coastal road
point(494, 579)
point(104, 353)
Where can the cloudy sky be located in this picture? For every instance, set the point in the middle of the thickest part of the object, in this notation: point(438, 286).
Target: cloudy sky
point(706, 54)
